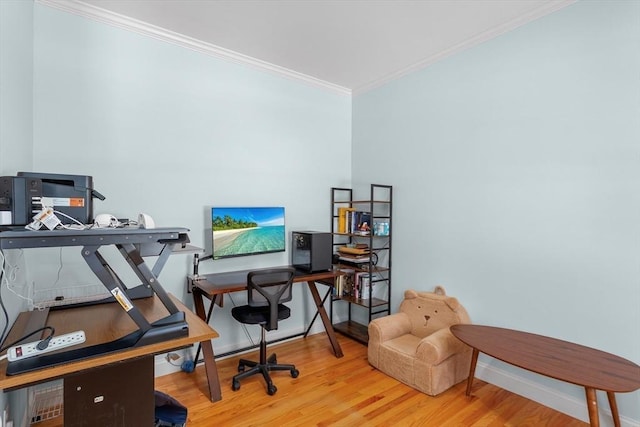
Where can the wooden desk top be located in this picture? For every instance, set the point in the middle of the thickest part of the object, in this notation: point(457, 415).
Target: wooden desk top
point(234, 281)
point(103, 323)
point(562, 360)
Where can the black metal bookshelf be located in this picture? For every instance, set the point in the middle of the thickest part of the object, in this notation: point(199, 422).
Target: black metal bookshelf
point(374, 266)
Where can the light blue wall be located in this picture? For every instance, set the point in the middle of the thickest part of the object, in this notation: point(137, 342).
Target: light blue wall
point(170, 132)
point(16, 135)
point(16, 85)
point(516, 173)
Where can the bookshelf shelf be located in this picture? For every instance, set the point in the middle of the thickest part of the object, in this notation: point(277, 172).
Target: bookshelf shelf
point(373, 302)
point(352, 329)
point(361, 230)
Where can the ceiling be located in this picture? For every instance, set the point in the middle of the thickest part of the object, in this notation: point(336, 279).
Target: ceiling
point(351, 45)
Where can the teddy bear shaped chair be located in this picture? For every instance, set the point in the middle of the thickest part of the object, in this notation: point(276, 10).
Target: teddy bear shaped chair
point(416, 347)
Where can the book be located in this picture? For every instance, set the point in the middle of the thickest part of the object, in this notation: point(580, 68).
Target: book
point(354, 258)
point(343, 285)
point(344, 215)
point(353, 251)
point(362, 285)
point(361, 223)
point(351, 221)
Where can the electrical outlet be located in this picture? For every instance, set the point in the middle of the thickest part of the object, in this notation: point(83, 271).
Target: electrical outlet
point(31, 349)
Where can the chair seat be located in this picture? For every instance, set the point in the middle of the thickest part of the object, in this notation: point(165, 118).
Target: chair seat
point(258, 315)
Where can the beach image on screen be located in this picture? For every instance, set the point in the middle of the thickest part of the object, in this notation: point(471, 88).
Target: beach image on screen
point(241, 231)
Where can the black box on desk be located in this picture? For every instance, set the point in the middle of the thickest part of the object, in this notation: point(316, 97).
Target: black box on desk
point(311, 250)
point(70, 194)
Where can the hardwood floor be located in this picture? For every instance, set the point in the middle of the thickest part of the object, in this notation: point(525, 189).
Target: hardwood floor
point(346, 392)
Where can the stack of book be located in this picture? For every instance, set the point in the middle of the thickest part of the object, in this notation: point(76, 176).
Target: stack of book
point(351, 221)
point(343, 285)
point(352, 284)
point(359, 254)
point(362, 286)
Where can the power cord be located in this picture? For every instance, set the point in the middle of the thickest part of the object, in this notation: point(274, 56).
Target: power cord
point(47, 217)
point(4, 309)
point(11, 278)
point(42, 344)
point(77, 226)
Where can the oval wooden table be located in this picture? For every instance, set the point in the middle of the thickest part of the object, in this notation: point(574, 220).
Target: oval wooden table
point(584, 366)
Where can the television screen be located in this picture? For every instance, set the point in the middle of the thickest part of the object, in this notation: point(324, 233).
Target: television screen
point(239, 231)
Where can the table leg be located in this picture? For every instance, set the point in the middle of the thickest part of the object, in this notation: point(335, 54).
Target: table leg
point(328, 327)
point(210, 366)
point(200, 309)
point(592, 407)
point(472, 370)
point(211, 369)
point(198, 304)
point(614, 408)
point(315, 316)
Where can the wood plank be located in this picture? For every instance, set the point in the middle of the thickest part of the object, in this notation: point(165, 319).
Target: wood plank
point(344, 392)
point(355, 330)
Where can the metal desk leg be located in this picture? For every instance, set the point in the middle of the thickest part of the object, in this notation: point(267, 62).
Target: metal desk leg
point(328, 327)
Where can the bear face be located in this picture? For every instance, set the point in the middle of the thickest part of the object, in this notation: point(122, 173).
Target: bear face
point(432, 311)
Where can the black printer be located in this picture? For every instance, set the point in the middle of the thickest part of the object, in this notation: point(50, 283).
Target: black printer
point(24, 195)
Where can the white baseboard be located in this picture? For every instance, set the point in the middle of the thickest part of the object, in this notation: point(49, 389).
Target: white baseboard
point(163, 367)
point(561, 402)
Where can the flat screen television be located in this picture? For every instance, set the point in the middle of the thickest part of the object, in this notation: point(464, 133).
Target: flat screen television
point(240, 231)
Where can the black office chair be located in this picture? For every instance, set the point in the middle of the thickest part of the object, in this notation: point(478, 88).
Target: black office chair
point(266, 291)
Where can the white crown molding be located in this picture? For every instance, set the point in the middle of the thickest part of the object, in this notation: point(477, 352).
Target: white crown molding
point(550, 7)
point(80, 8)
point(124, 22)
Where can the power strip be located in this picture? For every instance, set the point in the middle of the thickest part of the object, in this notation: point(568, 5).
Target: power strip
point(30, 350)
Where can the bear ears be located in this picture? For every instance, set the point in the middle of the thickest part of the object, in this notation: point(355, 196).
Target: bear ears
point(438, 294)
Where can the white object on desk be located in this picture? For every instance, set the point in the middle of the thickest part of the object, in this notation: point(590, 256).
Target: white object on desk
point(145, 221)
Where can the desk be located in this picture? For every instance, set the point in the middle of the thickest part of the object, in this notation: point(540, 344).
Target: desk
point(104, 323)
point(214, 286)
point(584, 366)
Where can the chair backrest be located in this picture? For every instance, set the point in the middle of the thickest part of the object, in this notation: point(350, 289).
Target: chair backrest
point(270, 287)
point(431, 311)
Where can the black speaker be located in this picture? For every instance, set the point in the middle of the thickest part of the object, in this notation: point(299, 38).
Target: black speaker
point(311, 250)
